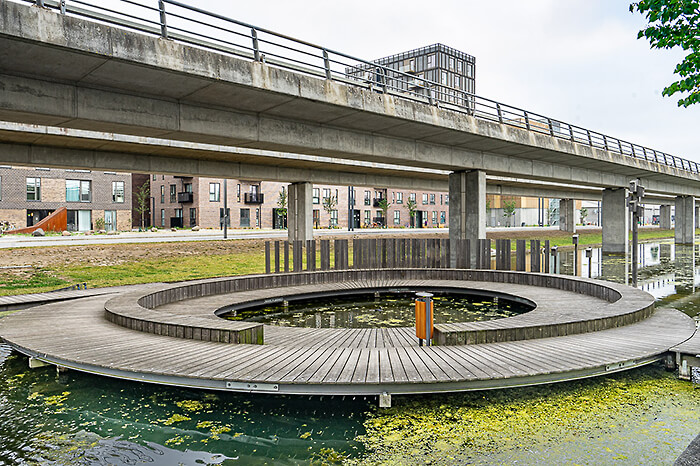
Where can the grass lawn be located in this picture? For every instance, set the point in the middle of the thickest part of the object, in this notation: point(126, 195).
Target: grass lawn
point(171, 262)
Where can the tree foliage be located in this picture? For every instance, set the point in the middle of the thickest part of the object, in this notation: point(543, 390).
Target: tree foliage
point(143, 198)
point(412, 208)
point(282, 202)
point(508, 209)
point(675, 23)
point(329, 205)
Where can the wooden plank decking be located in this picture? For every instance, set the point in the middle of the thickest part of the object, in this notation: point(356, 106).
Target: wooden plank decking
point(362, 361)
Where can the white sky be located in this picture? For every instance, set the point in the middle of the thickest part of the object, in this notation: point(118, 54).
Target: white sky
point(578, 61)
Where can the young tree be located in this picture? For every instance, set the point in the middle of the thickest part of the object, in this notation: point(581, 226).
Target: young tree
point(508, 210)
point(384, 207)
point(675, 23)
point(282, 202)
point(329, 205)
point(143, 197)
point(412, 207)
point(584, 214)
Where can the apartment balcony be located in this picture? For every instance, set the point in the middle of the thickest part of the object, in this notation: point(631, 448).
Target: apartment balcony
point(253, 198)
point(185, 198)
point(375, 202)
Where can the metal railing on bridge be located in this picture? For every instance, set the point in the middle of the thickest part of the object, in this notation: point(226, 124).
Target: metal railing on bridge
point(178, 21)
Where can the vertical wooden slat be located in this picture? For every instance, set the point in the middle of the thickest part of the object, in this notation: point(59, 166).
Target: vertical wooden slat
point(277, 256)
point(297, 255)
point(267, 257)
point(286, 256)
point(520, 247)
point(535, 256)
point(545, 257)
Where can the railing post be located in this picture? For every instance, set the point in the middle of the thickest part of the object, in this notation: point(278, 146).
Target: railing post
point(63, 7)
point(590, 140)
point(619, 144)
point(163, 21)
point(500, 113)
point(605, 142)
point(571, 133)
point(430, 94)
point(256, 45)
point(327, 64)
point(551, 127)
point(527, 121)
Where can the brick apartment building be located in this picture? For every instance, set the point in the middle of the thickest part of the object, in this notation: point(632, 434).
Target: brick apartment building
point(190, 201)
point(28, 195)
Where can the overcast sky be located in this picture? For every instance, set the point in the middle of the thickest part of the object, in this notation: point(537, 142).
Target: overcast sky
point(577, 61)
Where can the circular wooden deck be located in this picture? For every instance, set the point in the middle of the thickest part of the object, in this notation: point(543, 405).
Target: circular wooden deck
point(78, 335)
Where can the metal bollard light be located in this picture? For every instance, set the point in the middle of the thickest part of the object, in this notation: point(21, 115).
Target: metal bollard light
point(424, 318)
point(589, 256)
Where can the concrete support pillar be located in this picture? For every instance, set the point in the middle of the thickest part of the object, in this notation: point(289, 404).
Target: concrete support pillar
point(467, 209)
point(665, 217)
point(299, 212)
point(567, 215)
point(615, 219)
point(685, 220)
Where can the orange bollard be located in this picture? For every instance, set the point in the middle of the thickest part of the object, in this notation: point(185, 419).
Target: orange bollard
point(424, 318)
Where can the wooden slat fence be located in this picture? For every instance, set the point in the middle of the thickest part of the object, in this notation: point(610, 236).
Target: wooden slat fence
point(424, 253)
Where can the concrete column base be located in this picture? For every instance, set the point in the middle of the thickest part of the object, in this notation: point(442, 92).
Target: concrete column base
point(615, 218)
point(467, 209)
point(685, 220)
point(665, 217)
point(300, 212)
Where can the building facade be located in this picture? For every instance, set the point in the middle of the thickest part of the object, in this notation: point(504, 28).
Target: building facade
point(28, 195)
point(435, 63)
point(192, 201)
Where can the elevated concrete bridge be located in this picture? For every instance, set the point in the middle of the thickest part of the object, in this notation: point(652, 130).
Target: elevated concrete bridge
point(66, 71)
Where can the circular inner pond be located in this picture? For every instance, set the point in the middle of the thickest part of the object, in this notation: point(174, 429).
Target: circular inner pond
point(368, 310)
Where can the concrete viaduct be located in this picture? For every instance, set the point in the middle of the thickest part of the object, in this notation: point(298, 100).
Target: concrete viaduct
point(92, 95)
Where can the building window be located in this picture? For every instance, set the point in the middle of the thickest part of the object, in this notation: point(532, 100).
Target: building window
point(459, 66)
point(162, 194)
point(214, 192)
point(238, 192)
point(397, 217)
point(334, 218)
point(173, 193)
point(33, 189)
point(431, 61)
point(316, 218)
point(110, 220)
point(316, 194)
point(78, 191)
point(443, 217)
point(443, 78)
point(432, 199)
point(245, 218)
point(425, 198)
point(368, 198)
point(193, 217)
point(154, 177)
point(118, 191)
point(399, 198)
point(178, 213)
point(188, 187)
point(434, 217)
point(368, 217)
point(412, 197)
point(162, 217)
point(452, 63)
point(326, 194)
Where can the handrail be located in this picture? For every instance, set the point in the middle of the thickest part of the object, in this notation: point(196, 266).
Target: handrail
point(205, 29)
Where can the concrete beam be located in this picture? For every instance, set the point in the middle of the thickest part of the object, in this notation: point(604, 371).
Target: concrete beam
point(299, 212)
point(567, 215)
point(685, 220)
point(129, 82)
point(615, 219)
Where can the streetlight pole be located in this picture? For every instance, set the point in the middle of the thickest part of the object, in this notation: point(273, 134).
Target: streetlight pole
point(635, 206)
point(225, 208)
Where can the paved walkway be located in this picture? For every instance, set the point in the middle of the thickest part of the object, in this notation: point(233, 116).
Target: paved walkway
point(167, 236)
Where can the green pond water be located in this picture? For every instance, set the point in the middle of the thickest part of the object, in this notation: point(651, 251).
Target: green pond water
point(387, 310)
point(643, 416)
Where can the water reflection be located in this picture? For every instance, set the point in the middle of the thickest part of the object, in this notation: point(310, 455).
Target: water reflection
point(670, 272)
